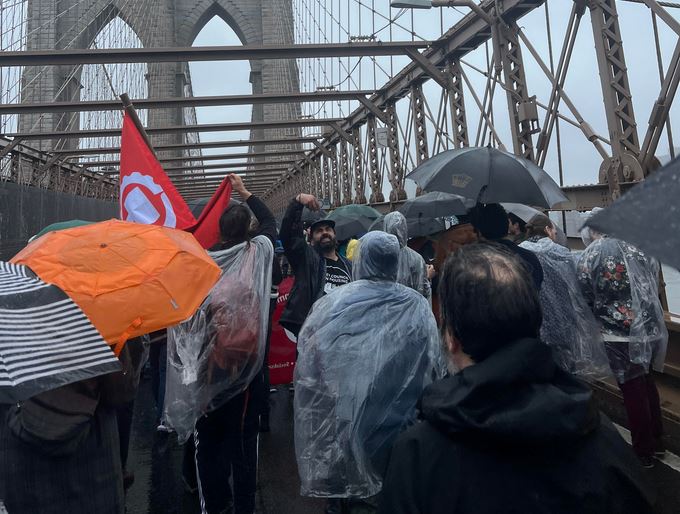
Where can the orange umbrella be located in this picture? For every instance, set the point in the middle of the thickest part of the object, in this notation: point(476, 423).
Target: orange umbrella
point(129, 279)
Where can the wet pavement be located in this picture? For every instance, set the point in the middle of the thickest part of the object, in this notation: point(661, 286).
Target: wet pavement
point(156, 460)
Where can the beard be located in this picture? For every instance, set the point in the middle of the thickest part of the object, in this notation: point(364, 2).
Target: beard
point(326, 243)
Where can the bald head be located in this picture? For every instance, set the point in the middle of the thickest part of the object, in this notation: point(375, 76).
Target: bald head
point(488, 299)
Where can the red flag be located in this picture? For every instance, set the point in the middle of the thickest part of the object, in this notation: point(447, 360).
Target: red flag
point(148, 196)
point(146, 193)
point(207, 228)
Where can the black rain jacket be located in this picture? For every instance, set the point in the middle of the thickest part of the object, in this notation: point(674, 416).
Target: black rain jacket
point(513, 434)
point(308, 267)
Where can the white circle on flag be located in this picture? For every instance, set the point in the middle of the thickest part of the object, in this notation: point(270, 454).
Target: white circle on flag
point(144, 201)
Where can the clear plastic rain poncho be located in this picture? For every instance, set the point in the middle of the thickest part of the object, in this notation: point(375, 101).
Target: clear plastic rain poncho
point(569, 326)
point(367, 350)
point(621, 285)
point(215, 354)
point(412, 270)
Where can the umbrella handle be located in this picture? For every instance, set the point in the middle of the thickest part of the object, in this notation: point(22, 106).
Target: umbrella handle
point(118, 347)
point(482, 190)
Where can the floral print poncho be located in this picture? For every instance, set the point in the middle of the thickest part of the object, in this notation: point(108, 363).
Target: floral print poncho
point(620, 284)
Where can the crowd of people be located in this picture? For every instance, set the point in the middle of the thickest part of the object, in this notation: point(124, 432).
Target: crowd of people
point(460, 386)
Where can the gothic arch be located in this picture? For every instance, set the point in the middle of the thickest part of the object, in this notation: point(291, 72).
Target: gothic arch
point(203, 11)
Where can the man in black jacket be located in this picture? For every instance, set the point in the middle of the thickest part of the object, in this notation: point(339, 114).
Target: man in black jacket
point(317, 266)
point(492, 224)
point(510, 431)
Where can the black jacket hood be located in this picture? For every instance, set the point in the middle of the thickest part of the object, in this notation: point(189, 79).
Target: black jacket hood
point(517, 396)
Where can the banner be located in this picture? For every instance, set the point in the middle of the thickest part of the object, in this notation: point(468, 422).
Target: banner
point(147, 195)
point(207, 228)
point(282, 347)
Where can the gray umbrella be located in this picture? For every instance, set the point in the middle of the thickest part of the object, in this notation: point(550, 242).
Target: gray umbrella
point(523, 212)
point(488, 176)
point(647, 216)
point(422, 227)
point(435, 205)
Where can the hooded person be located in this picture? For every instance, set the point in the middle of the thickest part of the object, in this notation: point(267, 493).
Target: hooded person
point(568, 326)
point(367, 350)
point(412, 269)
point(621, 286)
point(509, 431)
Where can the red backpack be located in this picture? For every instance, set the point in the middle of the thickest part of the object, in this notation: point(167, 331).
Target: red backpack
point(235, 310)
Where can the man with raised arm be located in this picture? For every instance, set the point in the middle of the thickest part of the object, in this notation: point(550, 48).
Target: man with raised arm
point(317, 266)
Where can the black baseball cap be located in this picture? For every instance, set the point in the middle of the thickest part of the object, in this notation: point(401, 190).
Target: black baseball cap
point(322, 221)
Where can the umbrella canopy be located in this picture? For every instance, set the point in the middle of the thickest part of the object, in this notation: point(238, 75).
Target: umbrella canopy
point(647, 216)
point(523, 212)
point(45, 339)
point(308, 216)
point(352, 220)
point(61, 225)
point(129, 279)
point(488, 176)
point(418, 227)
point(435, 204)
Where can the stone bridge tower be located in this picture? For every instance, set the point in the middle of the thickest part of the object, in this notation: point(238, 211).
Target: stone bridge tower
point(157, 23)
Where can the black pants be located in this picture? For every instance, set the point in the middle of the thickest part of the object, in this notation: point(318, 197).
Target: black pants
point(225, 441)
point(157, 363)
point(265, 365)
point(124, 414)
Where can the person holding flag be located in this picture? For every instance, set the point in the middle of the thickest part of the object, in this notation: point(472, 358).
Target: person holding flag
point(215, 385)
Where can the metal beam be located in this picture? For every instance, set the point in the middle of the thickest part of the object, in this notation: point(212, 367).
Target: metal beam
point(210, 144)
point(222, 173)
point(194, 101)
point(521, 107)
point(209, 180)
point(9, 147)
point(183, 186)
point(617, 96)
point(177, 129)
point(584, 198)
point(206, 53)
point(231, 165)
point(188, 186)
point(218, 166)
point(427, 66)
point(200, 188)
point(209, 157)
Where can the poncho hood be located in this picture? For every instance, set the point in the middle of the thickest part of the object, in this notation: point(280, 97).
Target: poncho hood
point(377, 257)
point(395, 223)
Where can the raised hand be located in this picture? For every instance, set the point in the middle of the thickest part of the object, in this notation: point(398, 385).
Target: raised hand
point(308, 201)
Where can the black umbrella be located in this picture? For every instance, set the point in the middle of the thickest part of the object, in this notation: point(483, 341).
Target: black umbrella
point(197, 205)
point(648, 215)
point(488, 175)
point(352, 220)
point(419, 227)
point(435, 205)
point(308, 216)
point(45, 339)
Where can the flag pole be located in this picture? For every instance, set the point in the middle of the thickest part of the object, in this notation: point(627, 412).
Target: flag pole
point(130, 110)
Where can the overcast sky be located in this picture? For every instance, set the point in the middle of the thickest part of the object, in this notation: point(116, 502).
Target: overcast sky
point(581, 161)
